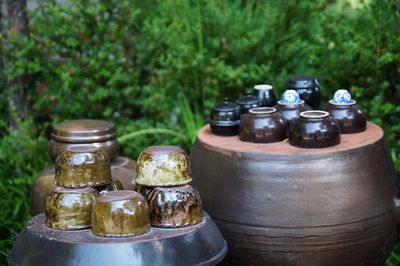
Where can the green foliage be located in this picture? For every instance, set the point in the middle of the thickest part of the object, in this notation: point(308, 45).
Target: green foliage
point(156, 67)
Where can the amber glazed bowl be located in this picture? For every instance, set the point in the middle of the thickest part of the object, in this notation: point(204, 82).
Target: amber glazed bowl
point(172, 207)
point(120, 213)
point(163, 166)
point(70, 208)
point(263, 125)
point(314, 129)
point(82, 167)
point(350, 116)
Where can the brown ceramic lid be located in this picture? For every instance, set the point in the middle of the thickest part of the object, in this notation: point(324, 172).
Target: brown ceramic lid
point(84, 131)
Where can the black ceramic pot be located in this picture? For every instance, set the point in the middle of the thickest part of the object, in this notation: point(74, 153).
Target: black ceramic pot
point(291, 112)
point(350, 116)
point(265, 94)
point(225, 118)
point(247, 102)
point(263, 125)
point(308, 89)
point(314, 129)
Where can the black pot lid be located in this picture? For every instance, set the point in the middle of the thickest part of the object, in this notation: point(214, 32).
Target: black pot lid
point(226, 106)
point(299, 82)
point(249, 99)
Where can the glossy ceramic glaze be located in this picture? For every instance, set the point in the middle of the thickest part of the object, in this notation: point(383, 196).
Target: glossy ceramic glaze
point(163, 166)
point(291, 112)
point(201, 244)
point(265, 94)
point(350, 116)
point(248, 102)
point(263, 125)
point(70, 209)
point(172, 207)
point(122, 169)
point(314, 129)
point(83, 167)
point(277, 204)
point(307, 87)
point(97, 133)
point(120, 213)
point(144, 190)
point(225, 118)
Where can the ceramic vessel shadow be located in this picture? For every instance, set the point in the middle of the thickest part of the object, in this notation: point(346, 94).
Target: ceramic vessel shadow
point(350, 117)
point(314, 129)
point(263, 125)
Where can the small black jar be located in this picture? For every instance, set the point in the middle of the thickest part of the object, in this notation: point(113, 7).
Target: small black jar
point(307, 87)
point(314, 129)
point(265, 94)
point(225, 118)
point(248, 102)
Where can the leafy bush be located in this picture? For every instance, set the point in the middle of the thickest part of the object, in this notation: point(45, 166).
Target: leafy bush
point(156, 67)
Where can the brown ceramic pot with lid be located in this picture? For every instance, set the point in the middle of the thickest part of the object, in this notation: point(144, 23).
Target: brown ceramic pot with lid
point(82, 132)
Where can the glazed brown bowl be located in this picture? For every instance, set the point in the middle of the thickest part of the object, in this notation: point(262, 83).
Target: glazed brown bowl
point(291, 112)
point(120, 213)
point(263, 125)
point(163, 166)
point(70, 208)
point(314, 129)
point(350, 116)
point(172, 207)
point(83, 166)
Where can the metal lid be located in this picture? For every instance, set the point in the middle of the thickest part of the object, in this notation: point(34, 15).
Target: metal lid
point(84, 131)
point(298, 82)
point(226, 106)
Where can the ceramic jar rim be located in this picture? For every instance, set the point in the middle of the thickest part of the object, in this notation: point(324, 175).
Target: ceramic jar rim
point(352, 102)
point(300, 102)
point(317, 114)
point(263, 87)
point(262, 110)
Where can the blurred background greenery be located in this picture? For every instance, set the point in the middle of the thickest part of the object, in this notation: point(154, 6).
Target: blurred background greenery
point(156, 67)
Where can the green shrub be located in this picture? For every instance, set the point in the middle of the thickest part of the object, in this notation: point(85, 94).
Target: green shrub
point(156, 67)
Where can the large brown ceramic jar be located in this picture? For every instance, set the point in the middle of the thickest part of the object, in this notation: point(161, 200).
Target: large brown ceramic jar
point(277, 204)
point(70, 209)
point(120, 213)
point(78, 133)
point(173, 207)
point(163, 166)
point(263, 125)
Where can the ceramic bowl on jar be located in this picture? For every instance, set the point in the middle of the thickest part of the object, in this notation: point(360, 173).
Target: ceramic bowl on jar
point(263, 125)
point(70, 208)
point(83, 166)
point(291, 106)
point(265, 94)
point(163, 166)
point(120, 213)
point(225, 118)
point(248, 102)
point(314, 129)
point(347, 113)
point(172, 207)
point(307, 87)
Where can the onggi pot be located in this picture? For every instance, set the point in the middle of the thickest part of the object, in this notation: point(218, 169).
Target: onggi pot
point(277, 204)
point(82, 132)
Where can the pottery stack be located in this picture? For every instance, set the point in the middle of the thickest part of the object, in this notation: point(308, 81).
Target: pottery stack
point(163, 174)
point(99, 134)
point(81, 174)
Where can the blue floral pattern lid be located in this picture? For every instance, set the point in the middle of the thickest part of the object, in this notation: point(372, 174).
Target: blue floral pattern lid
point(342, 97)
point(290, 97)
